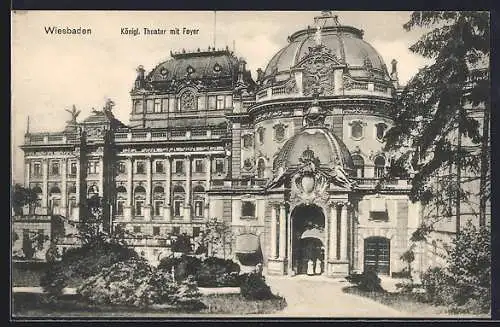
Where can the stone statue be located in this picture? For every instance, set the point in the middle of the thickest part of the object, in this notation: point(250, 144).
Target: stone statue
point(74, 114)
point(317, 35)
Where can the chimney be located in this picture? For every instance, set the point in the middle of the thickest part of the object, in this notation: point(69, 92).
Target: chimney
point(394, 73)
point(139, 81)
point(241, 69)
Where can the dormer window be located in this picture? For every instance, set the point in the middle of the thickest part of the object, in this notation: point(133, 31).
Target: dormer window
point(381, 128)
point(217, 68)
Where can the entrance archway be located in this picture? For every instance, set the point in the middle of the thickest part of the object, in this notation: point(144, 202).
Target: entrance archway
point(308, 250)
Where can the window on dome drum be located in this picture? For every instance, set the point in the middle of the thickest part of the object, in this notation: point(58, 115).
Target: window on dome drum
point(156, 231)
point(247, 140)
point(37, 169)
point(158, 209)
point(279, 132)
point(261, 166)
point(198, 166)
point(177, 208)
point(219, 166)
point(212, 102)
point(201, 103)
point(196, 231)
point(357, 130)
point(72, 168)
point(359, 166)
point(229, 101)
point(138, 106)
point(381, 127)
point(247, 209)
point(149, 105)
point(176, 230)
point(164, 105)
point(137, 229)
point(138, 208)
point(159, 167)
point(220, 102)
point(179, 166)
point(54, 168)
point(261, 133)
point(198, 208)
point(379, 167)
point(119, 208)
point(140, 167)
point(157, 105)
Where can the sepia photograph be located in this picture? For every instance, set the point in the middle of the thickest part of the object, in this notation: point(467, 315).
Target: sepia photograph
point(256, 164)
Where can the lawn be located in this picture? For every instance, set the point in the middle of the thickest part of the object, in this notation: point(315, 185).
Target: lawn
point(410, 303)
point(37, 305)
point(26, 273)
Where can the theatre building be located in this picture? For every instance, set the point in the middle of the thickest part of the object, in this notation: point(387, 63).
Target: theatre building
point(293, 161)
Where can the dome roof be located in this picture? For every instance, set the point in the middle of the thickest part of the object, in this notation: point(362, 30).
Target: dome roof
point(345, 42)
point(316, 142)
point(196, 65)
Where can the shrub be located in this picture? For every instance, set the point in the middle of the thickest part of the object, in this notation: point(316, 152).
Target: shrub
point(254, 287)
point(184, 266)
point(367, 281)
point(438, 286)
point(83, 262)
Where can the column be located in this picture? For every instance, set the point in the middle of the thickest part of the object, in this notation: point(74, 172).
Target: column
point(167, 212)
point(127, 209)
point(101, 176)
point(282, 250)
point(273, 232)
point(327, 245)
point(27, 174)
point(187, 203)
point(76, 211)
point(333, 230)
point(64, 193)
point(45, 177)
point(343, 233)
point(147, 205)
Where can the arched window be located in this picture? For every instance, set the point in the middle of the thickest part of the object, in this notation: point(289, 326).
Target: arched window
point(357, 129)
point(121, 197)
point(381, 127)
point(261, 166)
point(139, 199)
point(72, 189)
point(178, 195)
point(121, 189)
point(359, 166)
point(54, 190)
point(38, 192)
point(261, 133)
point(159, 189)
point(379, 167)
point(178, 189)
point(158, 200)
point(198, 188)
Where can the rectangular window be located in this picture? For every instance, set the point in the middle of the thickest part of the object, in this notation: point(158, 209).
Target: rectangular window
point(158, 208)
point(220, 102)
point(138, 208)
point(171, 104)
point(196, 231)
point(93, 167)
point(156, 231)
point(198, 166)
point(212, 102)
point(140, 167)
point(138, 106)
point(137, 229)
point(219, 166)
point(201, 103)
point(177, 208)
point(157, 105)
point(229, 101)
point(159, 167)
point(198, 208)
point(37, 169)
point(164, 104)
point(179, 167)
point(72, 206)
point(176, 230)
point(122, 169)
point(54, 168)
point(247, 209)
point(72, 168)
point(119, 208)
point(149, 105)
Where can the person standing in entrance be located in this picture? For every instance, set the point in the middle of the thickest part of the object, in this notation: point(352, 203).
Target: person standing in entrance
point(318, 269)
point(310, 267)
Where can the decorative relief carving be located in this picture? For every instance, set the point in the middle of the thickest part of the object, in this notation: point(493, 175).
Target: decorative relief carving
point(319, 64)
point(291, 86)
point(188, 101)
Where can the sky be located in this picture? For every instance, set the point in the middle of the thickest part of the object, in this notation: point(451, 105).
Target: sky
point(50, 73)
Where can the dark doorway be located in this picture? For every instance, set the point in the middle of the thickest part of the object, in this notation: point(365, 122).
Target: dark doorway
point(308, 223)
point(377, 255)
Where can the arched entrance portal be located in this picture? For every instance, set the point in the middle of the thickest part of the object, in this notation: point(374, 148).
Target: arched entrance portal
point(308, 244)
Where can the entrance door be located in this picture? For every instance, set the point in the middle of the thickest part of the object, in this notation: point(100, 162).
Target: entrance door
point(377, 255)
point(310, 257)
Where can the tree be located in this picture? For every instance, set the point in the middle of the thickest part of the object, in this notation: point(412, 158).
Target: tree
point(433, 113)
point(182, 244)
point(215, 237)
point(22, 196)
